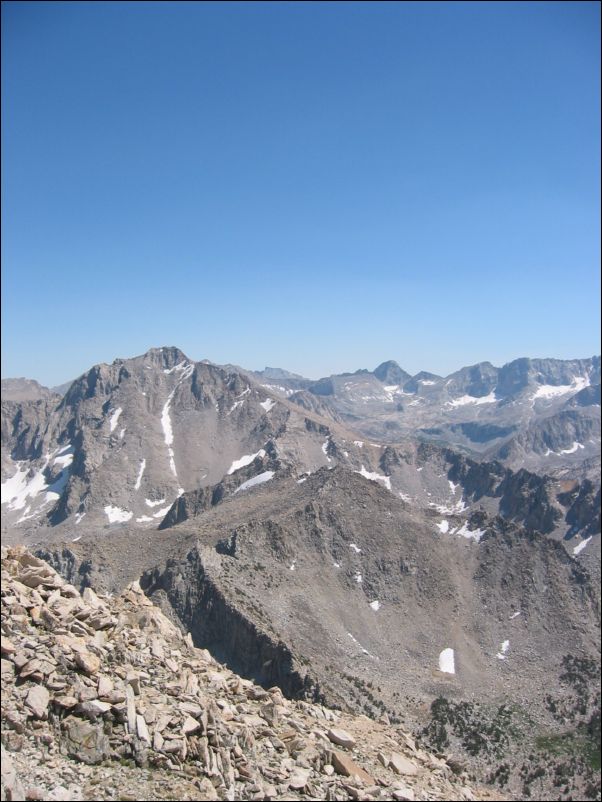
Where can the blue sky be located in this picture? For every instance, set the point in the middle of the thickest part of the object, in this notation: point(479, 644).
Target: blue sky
point(317, 186)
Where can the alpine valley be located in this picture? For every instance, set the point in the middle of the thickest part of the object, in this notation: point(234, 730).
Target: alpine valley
point(419, 554)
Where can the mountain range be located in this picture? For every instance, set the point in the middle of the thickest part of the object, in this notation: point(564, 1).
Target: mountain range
point(373, 540)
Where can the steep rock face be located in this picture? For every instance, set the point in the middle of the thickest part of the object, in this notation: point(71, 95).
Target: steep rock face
point(584, 503)
point(390, 373)
point(563, 433)
point(476, 381)
point(420, 380)
point(539, 503)
point(23, 429)
point(517, 375)
point(529, 499)
point(588, 397)
point(217, 625)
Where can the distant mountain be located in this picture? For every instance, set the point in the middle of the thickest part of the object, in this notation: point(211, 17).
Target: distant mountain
point(480, 408)
point(24, 390)
point(61, 389)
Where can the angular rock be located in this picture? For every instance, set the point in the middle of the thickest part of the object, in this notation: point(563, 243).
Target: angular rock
point(88, 662)
point(142, 729)
point(190, 725)
point(403, 794)
point(341, 738)
point(105, 685)
point(85, 741)
point(37, 701)
point(299, 779)
point(401, 764)
point(344, 765)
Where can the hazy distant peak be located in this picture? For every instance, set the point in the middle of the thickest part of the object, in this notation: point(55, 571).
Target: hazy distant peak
point(21, 389)
point(278, 373)
point(389, 372)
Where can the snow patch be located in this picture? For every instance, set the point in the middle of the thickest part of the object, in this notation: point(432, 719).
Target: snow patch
point(470, 399)
point(572, 449)
point(365, 651)
point(443, 526)
point(554, 390)
point(64, 458)
point(150, 503)
point(267, 404)
point(140, 472)
point(579, 548)
point(447, 662)
point(162, 513)
point(474, 534)
point(117, 515)
point(247, 459)
point(514, 615)
point(358, 578)
point(256, 480)
point(278, 388)
point(447, 509)
point(78, 517)
point(187, 370)
point(168, 430)
point(292, 567)
point(179, 367)
point(75, 539)
point(358, 443)
point(501, 655)
point(375, 605)
point(375, 477)
point(18, 488)
point(355, 548)
point(114, 418)
point(144, 519)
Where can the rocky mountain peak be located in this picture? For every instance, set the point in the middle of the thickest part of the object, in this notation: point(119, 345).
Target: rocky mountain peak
point(391, 373)
point(165, 357)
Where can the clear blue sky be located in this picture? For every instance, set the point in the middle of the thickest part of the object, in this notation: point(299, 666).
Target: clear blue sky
point(310, 185)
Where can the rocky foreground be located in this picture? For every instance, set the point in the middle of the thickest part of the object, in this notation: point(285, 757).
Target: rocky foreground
point(104, 698)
